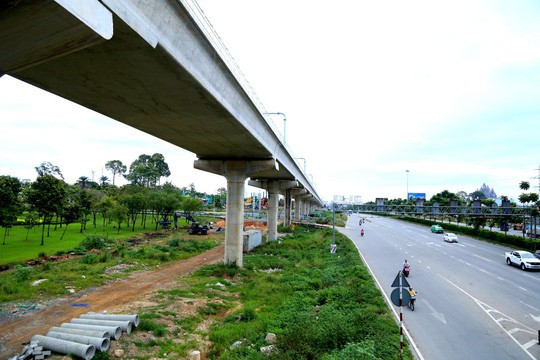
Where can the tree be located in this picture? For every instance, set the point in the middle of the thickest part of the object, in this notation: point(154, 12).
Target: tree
point(221, 199)
point(46, 196)
point(135, 204)
point(95, 198)
point(525, 198)
point(83, 182)
point(104, 180)
point(10, 204)
point(47, 168)
point(71, 210)
point(147, 170)
point(477, 195)
point(105, 205)
point(116, 167)
point(30, 220)
point(85, 205)
point(463, 196)
point(118, 213)
point(163, 204)
point(191, 204)
point(445, 197)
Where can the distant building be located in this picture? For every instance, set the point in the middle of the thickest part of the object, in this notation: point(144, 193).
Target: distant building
point(348, 200)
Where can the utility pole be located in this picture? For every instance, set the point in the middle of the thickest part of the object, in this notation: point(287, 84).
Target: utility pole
point(407, 197)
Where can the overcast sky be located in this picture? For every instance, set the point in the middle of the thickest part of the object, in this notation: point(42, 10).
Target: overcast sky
point(447, 90)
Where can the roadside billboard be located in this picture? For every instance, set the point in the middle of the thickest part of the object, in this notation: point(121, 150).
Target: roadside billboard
point(416, 196)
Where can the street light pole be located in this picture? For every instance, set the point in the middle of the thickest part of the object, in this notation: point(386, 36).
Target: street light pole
point(407, 171)
point(304, 163)
point(284, 123)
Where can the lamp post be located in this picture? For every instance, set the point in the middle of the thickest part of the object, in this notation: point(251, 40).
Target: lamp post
point(407, 197)
point(284, 123)
point(304, 163)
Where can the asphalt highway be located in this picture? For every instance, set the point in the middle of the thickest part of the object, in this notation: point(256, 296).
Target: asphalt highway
point(470, 304)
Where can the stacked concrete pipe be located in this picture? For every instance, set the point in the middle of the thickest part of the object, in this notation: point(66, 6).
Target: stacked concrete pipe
point(90, 333)
point(115, 331)
point(84, 351)
point(126, 326)
point(100, 343)
point(93, 333)
point(134, 319)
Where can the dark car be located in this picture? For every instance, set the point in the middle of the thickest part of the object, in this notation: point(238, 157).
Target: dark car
point(505, 227)
point(537, 254)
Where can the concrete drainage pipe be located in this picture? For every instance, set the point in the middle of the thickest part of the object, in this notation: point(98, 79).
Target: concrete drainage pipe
point(126, 326)
point(84, 351)
point(100, 343)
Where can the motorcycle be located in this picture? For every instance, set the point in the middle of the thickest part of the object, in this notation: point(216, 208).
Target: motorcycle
point(362, 232)
point(406, 270)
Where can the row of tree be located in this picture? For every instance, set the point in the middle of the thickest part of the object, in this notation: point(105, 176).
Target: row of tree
point(51, 201)
point(487, 197)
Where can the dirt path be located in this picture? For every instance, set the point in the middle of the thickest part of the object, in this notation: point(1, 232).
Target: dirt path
point(107, 297)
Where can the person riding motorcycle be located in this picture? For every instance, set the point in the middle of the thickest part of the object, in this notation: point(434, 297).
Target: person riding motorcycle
point(406, 268)
point(362, 232)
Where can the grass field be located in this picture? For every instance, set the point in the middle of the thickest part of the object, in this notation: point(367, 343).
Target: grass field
point(72, 275)
point(320, 306)
point(18, 249)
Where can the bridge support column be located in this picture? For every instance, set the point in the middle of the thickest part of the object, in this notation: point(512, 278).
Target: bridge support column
point(296, 193)
point(274, 188)
point(288, 203)
point(303, 204)
point(272, 215)
point(236, 172)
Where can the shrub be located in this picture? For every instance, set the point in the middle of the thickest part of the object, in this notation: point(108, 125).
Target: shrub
point(42, 255)
point(104, 257)
point(22, 273)
point(94, 241)
point(79, 250)
point(90, 259)
point(248, 314)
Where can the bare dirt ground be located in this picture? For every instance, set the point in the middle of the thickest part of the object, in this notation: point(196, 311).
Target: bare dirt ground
point(109, 297)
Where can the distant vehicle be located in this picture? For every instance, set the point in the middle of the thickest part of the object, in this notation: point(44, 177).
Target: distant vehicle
point(524, 259)
point(449, 237)
point(530, 230)
point(197, 229)
point(537, 254)
point(437, 229)
point(505, 227)
point(518, 226)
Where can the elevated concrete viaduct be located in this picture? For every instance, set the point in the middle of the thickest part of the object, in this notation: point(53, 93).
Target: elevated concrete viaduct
point(158, 66)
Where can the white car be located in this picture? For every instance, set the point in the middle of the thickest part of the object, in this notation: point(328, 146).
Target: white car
point(524, 259)
point(449, 237)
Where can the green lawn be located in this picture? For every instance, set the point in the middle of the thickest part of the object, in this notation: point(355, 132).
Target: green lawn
point(68, 276)
point(18, 249)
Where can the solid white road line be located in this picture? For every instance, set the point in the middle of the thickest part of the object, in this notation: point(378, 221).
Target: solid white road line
point(416, 349)
point(489, 310)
